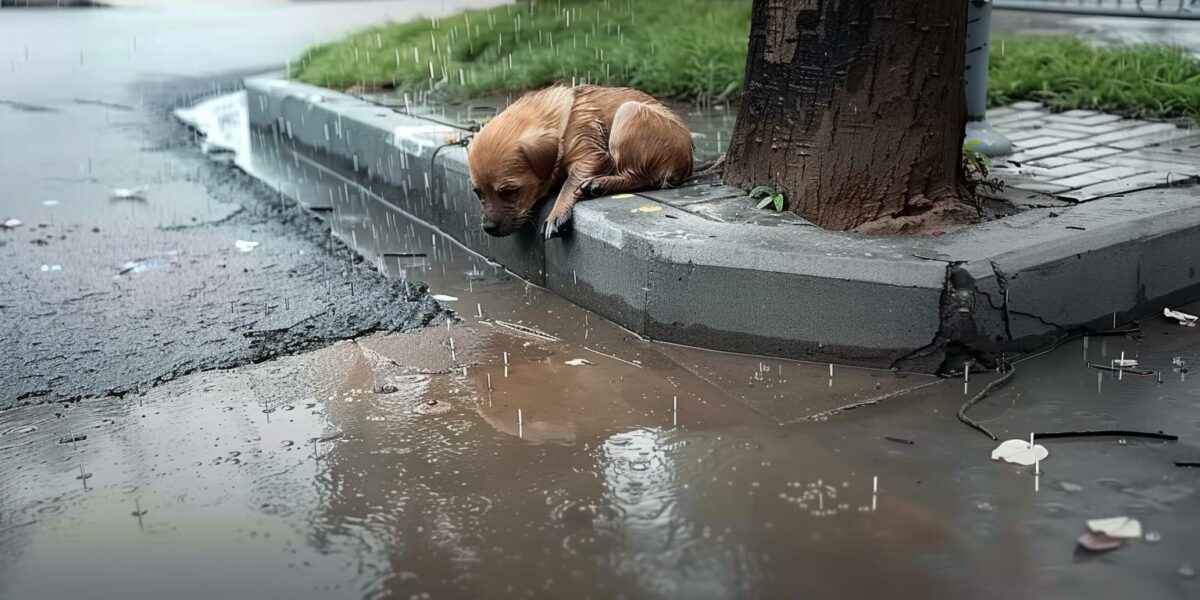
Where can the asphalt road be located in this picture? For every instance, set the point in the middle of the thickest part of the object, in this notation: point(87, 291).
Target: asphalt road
point(105, 294)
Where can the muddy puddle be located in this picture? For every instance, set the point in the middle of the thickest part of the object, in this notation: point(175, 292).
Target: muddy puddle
point(534, 449)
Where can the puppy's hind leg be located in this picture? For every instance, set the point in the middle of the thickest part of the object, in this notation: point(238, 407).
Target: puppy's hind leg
point(650, 148)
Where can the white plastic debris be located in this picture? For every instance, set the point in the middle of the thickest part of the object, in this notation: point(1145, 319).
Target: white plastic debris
point(1182, 317)
point(12, 223)
point(444, 298)
point(1124, 363)
point(1124, 528)
point(578, 362)
point(1020, 452)
point(50, 203)
point(136, 193)
point(245, 246)
point(47, 268)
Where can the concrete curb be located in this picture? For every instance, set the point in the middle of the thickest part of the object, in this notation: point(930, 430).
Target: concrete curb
point(915, 304)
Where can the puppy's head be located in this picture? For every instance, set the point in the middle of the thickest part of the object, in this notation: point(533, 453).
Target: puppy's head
point(510, 175)
point(513, 161)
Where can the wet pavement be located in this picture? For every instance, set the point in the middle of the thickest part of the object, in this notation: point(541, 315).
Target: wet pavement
point(469, 459)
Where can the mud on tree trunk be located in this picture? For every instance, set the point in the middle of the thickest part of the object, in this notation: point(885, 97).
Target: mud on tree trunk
point(855, 110)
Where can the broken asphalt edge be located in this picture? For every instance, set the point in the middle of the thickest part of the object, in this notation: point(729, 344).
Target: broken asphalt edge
point(921, 304)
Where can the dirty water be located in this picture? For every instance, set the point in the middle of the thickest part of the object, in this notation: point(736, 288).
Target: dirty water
point(470, 460)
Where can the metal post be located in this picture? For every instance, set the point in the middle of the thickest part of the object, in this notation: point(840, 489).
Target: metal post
point(990, 141)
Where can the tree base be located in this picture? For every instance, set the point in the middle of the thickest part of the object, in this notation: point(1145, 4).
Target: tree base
point(928, 217)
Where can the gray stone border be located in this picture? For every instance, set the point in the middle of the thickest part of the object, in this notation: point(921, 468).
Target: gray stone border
point(909, 303)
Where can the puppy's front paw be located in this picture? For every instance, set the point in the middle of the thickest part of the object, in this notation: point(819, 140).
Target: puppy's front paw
point(555, 225)
point(592, 189)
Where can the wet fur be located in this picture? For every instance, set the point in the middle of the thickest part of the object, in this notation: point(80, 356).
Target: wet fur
point(587, 141)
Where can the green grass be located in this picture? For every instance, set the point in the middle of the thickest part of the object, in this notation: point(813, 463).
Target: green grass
point(682, 49)
point(696, 50)
point(1064, 73)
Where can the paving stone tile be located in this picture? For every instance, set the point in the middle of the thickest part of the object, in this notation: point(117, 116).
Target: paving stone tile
point(1098, 119)
point(1184, 137)
point(1087, 129)
point(1124, 134)
point(1059, 148)
point(1037, 142)
point(1026, 105)
point(1093, 153)
point(1022, 134)
point(1096, 176)
point(1145, 164)
point(1037, 186)
point(1069, 170)
point(1078, 112)
point(1171, 158)
point(1059, 132)
point(1019, 119)
point(1128, 184)
point(1051, 162)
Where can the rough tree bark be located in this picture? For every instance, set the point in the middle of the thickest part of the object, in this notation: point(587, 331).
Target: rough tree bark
point(855, 110)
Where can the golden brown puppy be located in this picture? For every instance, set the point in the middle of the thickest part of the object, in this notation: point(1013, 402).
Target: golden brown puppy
point(590, 140)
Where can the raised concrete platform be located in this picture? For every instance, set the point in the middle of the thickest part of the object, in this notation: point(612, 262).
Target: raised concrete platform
point(700, 266)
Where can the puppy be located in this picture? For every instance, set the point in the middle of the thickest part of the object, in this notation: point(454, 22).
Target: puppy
point(587, 141)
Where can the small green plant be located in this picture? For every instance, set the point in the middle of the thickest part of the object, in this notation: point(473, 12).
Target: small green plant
point(977, 168)
point(766, 194)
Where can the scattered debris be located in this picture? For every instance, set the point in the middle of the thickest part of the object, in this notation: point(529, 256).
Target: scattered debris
point(1098, 543)
point(897, 439)
point(150, 263)
point(50, 203)
point(445, 298)
point(1124, 363)
point(632, 364)
point(1180, 365)
point(649, 208)
point(1020, 452)
point(137, 193)
point(11, 223)
point(1107, 433)
point(537, 333)
point(70, 439)
point(1009, 371)
point(1067, 486)
point(245, 246)
point(1114, 369)
point(1125, 528)
point(1187, 463)
point(432, 407)
point(579, 362)
point(51, 268)
point(1125, 330)
point(622, 196)
point(1181, 317)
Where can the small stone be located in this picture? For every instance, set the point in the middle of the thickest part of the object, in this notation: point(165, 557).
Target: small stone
point(1153, 537)
point(1186, 570)
point(1067, 486)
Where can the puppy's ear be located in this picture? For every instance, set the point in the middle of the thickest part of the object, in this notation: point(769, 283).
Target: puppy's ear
point(541, 150)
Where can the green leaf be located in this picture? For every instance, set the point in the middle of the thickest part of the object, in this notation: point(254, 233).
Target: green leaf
point(765, 202)
point(760, 191)
point(778, 198)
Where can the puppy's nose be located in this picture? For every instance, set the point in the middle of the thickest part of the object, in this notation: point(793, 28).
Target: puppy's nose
point(490, 227)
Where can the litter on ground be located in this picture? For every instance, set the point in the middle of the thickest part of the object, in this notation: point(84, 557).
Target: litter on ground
point(1182, 317)
point(1020, 452)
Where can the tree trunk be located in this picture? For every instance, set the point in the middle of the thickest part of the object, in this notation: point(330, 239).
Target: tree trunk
point(855, 109)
